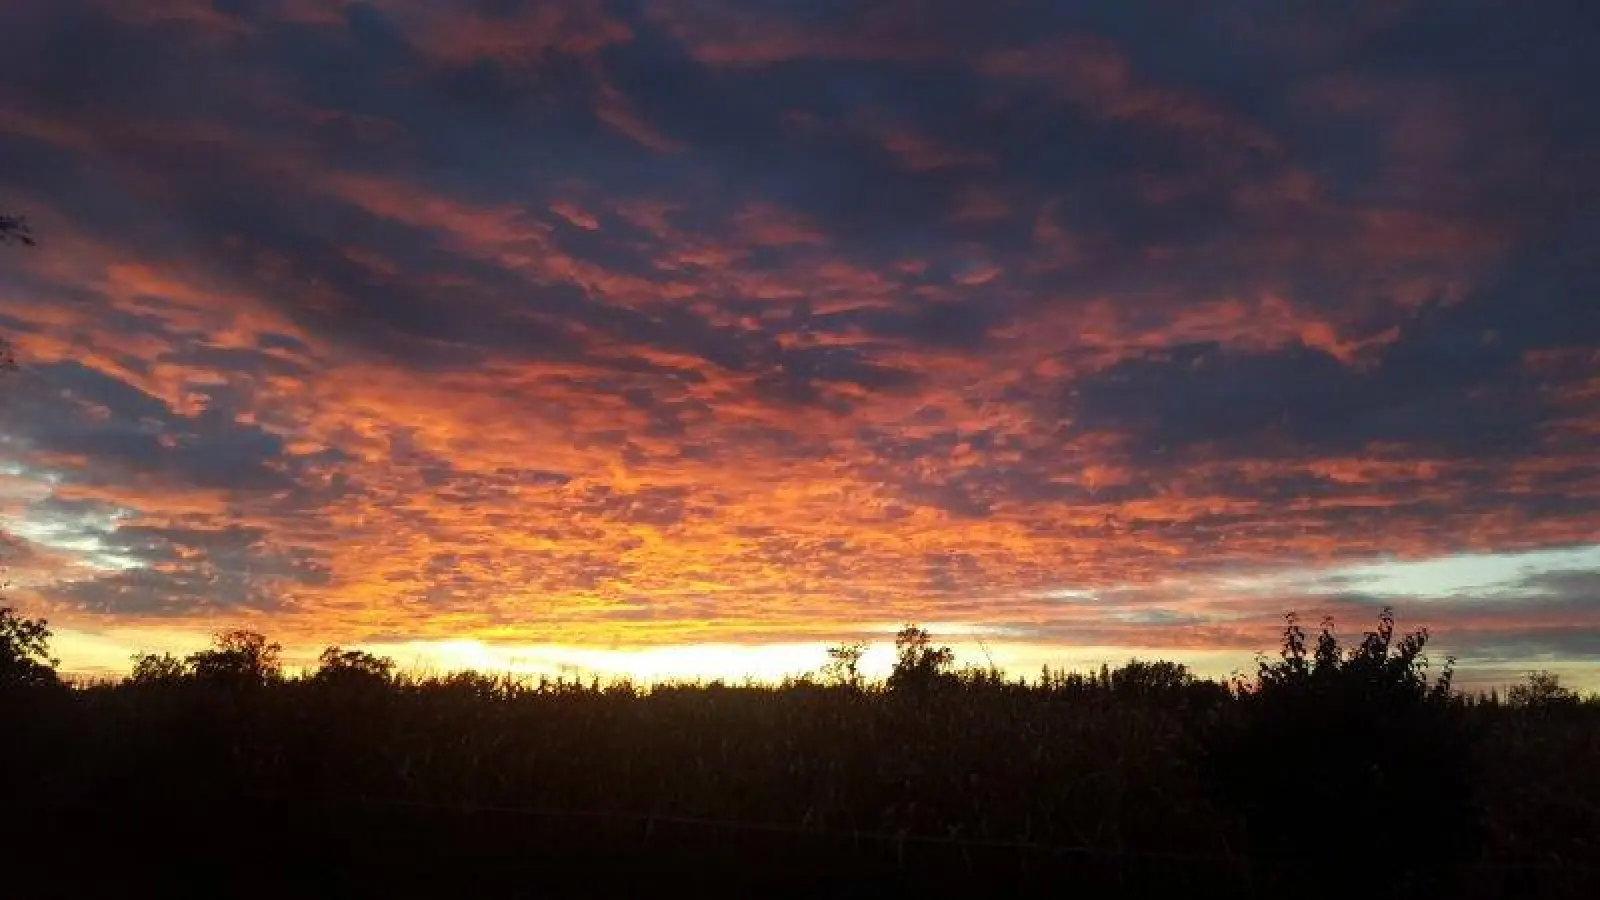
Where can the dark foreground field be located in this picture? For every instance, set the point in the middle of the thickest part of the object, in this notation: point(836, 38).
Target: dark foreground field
point(1136, 782)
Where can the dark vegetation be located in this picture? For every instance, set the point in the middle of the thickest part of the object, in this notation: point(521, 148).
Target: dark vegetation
point(1334, 771)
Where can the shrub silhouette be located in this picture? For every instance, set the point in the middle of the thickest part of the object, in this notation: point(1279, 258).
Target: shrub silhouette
point(844, 665)
point(238, 658)
point(1140, 678)
point(1337, 754)
point(1542, 692)
point(25, 659)
point(919, 666)
point(158, 668)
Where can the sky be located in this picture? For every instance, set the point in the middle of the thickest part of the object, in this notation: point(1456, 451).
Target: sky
point(685, 337)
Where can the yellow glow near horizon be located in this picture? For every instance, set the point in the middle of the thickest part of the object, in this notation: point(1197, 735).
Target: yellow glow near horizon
point(108, 654)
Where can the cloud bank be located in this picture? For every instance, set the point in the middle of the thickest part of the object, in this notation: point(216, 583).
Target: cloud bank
point(670, 321)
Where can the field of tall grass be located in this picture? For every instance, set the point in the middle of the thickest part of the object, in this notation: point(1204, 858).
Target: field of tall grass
point(1337, 769)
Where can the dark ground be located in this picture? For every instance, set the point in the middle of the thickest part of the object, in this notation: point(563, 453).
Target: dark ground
point(295, 790)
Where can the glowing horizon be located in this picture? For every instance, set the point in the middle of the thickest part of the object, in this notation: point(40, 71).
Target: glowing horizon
point(1485, 591)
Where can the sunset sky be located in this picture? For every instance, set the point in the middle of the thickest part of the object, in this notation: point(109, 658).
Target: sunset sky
point(683, 337)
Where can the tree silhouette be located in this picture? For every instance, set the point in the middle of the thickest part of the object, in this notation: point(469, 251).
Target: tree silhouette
point(1542, 691)
point(158, 668)
point(1139, 678)
point(349, 667)
point(238, 658)
point(919, 665)
point(25, 651)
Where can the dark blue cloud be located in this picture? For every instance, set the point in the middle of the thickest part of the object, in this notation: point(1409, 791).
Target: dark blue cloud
point(78, 411)
point(1024, 292)
point(1453, 381)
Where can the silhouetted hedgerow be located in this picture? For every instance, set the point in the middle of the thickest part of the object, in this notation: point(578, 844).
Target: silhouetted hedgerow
point(1340, 769)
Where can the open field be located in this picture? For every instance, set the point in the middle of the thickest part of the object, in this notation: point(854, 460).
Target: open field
point(333, 788)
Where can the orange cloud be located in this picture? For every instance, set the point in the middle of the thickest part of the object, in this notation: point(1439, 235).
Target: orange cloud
point(351, 353)
point(531, 33)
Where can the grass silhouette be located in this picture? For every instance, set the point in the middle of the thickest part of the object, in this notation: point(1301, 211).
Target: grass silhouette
point(1340, 770)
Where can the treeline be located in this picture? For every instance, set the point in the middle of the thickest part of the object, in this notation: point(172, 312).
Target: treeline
point(1338, 767)
point(243, 658)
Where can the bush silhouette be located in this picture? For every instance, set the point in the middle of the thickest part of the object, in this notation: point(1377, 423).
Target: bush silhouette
point(1542, 692)
point(1337, 754)
point(158, 668)
point(1138, 678)
point(919, 666)
point(238, 658)
point(25, 659)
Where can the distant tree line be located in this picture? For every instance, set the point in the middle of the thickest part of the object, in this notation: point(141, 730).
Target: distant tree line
point(243, 658)
point(1331, 750)
point(1381, 667)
